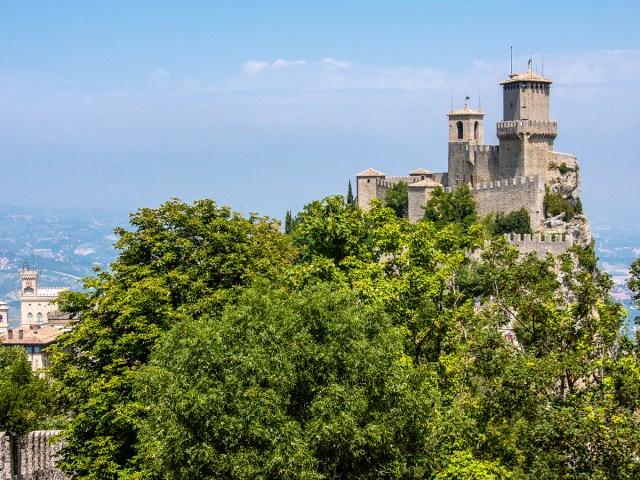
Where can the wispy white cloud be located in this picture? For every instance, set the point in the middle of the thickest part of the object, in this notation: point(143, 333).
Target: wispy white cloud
point(336, 63)
point(287, 63)
point(331, 74)
point(254, 66)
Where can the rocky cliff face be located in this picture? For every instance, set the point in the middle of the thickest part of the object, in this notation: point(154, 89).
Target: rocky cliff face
point(563, 188)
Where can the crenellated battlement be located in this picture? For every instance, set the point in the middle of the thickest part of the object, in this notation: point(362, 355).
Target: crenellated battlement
point(485, 148)
point(527, 123)
point(472, 147)
point(515, 128)
point(541, 244)
point(508, 182)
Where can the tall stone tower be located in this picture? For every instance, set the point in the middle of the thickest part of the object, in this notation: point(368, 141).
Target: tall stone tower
point(466, 130)
point(526, 134)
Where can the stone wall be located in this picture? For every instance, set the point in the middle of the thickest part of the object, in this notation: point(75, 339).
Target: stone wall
point(568, 159)
point(30, 458)
point(485, 159)
point(513, 194)
point(539, 244)
point(6, 457)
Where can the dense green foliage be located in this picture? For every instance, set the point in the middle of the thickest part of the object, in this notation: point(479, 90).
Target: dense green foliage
point(457, 207)
point(579, 209)
point(179, 261)
point(555, 204)
point(397, 199)
point(26, 399)
point(517, 221)
point(302, 385)
point(359, 346)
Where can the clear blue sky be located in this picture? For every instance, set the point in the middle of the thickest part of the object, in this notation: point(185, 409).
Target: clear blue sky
point(266, 106)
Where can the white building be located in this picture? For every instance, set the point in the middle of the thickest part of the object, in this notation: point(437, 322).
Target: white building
point(36, 302)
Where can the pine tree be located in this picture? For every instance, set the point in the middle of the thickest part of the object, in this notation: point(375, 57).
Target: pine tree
point(350, 199)
point(288, 222)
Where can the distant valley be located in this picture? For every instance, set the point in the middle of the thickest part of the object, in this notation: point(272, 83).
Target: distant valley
point(65, 246)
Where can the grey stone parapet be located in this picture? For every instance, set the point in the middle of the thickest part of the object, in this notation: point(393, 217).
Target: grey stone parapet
point(515, 128)
point(508, 182)
point(29, 458)
point(541, 244)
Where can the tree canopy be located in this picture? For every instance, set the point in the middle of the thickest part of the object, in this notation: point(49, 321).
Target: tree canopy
point(178, 261)
point(457, 207)
point(26, 400)
point(397, 199)
point(359, 346)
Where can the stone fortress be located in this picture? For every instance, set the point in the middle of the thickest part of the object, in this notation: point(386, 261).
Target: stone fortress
point(504, 178)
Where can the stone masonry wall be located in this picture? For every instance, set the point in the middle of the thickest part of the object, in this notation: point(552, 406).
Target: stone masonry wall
point(513, 194)
point(6, 460)
point(539, 244)
point(30, 458)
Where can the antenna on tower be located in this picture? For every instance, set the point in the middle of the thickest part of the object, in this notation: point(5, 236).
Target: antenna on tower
point(511, 72)
point(479, 101)
point(452, 102)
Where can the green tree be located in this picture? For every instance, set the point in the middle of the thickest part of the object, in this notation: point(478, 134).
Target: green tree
point(463, 466)
point(287, 385)
point(397, 199)
point(634, 281)
point(331, 229)
point(350, 198)
point(554, 395)
point(177, 261)
point(288, 223)
point(456, 207)
point(517, 221)
point(380, 349)
point(26, 399)
point(555, 204)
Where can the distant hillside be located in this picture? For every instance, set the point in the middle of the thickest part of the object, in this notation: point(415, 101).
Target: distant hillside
point(65, 245)
point(617, 245)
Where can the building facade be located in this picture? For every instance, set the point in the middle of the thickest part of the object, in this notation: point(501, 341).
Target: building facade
point(34, 339)
point(36, 302)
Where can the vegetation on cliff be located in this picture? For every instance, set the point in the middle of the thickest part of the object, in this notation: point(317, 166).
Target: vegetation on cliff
point(358, 346)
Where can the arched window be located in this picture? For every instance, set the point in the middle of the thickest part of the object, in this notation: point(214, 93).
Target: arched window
point(475, 131)
point(39, 317)
point(30, 317)
point(460, 132)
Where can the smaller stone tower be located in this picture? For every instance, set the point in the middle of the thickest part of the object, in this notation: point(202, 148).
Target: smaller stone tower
point(466, 126)
point(466, 130)
point(368, 184)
